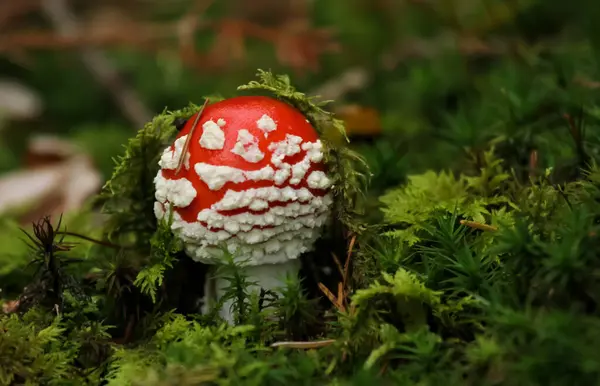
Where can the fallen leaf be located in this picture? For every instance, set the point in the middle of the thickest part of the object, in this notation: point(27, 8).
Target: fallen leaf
point(360, 120)
point(10, 306)
point(57, 178)
point(24, 186)
point(18, 101)
point(44, 150)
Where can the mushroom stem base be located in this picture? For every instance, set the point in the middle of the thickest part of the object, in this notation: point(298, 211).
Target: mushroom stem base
point(268, 277)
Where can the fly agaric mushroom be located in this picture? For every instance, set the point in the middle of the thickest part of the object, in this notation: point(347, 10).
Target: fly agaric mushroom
point(252, 180)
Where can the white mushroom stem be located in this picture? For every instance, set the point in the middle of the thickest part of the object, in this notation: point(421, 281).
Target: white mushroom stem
point(269, 277)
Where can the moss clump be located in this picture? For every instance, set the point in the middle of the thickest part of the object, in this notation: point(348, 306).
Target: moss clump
point(484, 272)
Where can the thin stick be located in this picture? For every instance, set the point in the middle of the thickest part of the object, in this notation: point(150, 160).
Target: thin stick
point(186, 145)
point(304, 345)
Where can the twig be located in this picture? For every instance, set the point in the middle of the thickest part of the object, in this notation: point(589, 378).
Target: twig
point(66, 24)
point(10, 10)
point(304, 345)
point(148, 36)
point(138, 34)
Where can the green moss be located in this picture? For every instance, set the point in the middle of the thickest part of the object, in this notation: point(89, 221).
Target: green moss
point(482, 272)
point(478, 198)
point(128, 195)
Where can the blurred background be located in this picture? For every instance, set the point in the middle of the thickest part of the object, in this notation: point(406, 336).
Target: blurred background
point(418, 82)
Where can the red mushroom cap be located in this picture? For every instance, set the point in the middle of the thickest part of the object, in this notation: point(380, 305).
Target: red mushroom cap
point(253, 178)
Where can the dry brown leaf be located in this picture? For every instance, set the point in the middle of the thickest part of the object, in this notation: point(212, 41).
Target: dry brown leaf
point(62, 184)
point(18, 101)
point(360, 120)
point(27, 186)
point(10, 306)
point(45, 150)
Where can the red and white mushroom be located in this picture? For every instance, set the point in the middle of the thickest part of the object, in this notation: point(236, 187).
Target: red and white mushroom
point(253, 179)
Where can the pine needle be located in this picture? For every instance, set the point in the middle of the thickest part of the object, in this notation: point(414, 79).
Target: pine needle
point(304, 345)
point(336, 302)
point(338, 264)
point(186, 145)
point(341, 293)
point(348, 257)
point(478, 225)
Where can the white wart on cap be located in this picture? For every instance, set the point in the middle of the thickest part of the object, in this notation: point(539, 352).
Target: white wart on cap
point(253, 180)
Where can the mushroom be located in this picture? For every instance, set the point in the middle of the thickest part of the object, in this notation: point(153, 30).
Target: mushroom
point(253, 181)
